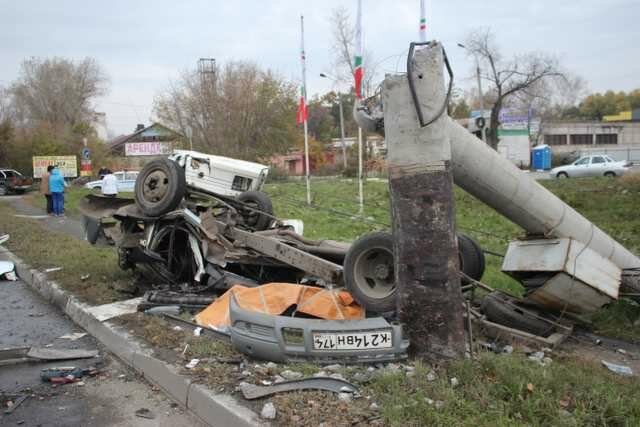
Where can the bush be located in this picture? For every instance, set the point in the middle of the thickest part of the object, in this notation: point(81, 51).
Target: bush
point(277, 174)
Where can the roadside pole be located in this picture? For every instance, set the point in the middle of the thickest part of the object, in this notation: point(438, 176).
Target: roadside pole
point(360, 175)
point(430, 301)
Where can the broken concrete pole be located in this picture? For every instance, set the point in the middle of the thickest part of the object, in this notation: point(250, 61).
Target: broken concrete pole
point(422, 208)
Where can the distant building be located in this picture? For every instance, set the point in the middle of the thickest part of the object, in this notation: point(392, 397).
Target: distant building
point(617, 135)
point(144, 144)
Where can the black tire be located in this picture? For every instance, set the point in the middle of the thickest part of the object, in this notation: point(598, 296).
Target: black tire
point(504, 309)
point(369, 272)
point(91, 229)
point(160, 187)
point(3, 190)
point(369, 269)
point(610, 174)
point(260, 201)
point(472, 261)
point(562, 175)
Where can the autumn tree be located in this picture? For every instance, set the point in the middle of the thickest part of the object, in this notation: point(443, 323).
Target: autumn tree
point(238, 110)
point(57, 91)
point(597, 105)
point(507, 77)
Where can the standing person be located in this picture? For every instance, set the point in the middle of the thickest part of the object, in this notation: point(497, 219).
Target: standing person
point(44, 189)
point(102, 172)
point(109, 184)
point(56, 187)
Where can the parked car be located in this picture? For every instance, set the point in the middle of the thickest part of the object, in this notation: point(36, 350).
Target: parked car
point(595, 165)
point(13, 181)
point(126, 181)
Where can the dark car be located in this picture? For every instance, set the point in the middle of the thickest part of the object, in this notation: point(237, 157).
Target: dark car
point(13, 181)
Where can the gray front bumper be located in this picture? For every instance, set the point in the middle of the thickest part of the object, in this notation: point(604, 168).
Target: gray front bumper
point(261, 336)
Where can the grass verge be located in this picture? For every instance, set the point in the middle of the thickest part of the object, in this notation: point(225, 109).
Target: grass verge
point(43, 249)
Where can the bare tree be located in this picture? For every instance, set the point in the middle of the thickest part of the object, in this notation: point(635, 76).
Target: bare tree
point(239, 110)
point(343, 51)
point(508, 77)
point(57, 91)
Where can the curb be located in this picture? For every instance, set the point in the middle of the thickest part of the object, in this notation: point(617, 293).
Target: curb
point(213, 409)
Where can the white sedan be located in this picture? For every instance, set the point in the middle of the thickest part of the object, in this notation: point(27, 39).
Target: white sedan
point(126, 181)
point(595, 165)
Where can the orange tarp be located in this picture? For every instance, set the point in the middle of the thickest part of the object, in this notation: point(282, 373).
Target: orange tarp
point(276, 298)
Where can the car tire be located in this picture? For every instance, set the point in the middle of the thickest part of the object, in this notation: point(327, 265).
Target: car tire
point(472, 261)
point(369, 269)
point(91, 228)
point(369, 272)
point(503, 309)
point(160, 187)
point(560, 175)
point(610, 174)
point(3, 190)
point(260, 201)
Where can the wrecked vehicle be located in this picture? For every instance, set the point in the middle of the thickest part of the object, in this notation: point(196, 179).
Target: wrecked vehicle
point(200, 232)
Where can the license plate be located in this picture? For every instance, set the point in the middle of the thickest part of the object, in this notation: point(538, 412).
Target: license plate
point(352, 341)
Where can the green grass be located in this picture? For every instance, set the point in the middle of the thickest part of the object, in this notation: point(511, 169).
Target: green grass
point(43, 248)
point(494, 391)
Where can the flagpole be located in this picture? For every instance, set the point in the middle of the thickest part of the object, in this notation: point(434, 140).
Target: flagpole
point(358, 77)
point(304, 94)
point(423, 22)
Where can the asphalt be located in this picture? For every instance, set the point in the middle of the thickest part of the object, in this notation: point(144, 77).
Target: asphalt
point(108, 399)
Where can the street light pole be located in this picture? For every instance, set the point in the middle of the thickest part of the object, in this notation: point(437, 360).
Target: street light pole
point(480, 96)
point(344, 145)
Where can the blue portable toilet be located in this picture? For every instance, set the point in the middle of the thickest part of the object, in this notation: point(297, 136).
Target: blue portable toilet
point(541, 157)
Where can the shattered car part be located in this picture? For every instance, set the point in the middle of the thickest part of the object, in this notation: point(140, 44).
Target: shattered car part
point(290, 339)
point(251, 391)
point(281, 298)
point(7, 271)
point(9, 356)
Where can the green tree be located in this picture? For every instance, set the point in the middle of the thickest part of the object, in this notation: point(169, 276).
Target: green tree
point(597, 105)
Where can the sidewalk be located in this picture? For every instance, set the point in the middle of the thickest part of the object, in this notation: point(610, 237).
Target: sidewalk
point(71, 226)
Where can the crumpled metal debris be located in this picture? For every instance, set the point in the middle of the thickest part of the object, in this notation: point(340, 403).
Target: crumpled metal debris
point(618, 369)
point(251, 391)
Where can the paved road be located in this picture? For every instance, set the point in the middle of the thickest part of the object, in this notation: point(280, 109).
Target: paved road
point(109, 400)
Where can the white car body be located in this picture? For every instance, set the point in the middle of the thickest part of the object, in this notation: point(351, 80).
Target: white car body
point(126, 181)
point(593, 165)
point(220, 175)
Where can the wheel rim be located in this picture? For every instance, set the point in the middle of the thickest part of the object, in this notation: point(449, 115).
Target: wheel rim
point(374, 274)
point(155, 186)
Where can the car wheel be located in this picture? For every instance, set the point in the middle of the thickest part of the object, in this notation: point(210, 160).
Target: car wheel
point(562, 175)
point(3, 190)
point(91, 228)
point(160, 187)
point(610, 174)
point(369, 272)
point(504, 309)
point(261, 202)
point(369, 269)
point(472, 261)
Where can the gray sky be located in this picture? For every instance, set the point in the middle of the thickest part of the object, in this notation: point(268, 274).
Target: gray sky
point(143, 45)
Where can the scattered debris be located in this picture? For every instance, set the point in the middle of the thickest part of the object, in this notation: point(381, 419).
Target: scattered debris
point(66, 375)
point(145, 413)
point(115, 309)
point(431, 376)
point(85, 277)
point(7, 271)
point(52, 269)
point(192, 364)
point(9, 356)
point(250, 391)
point(197, 332)
point(454, 382)
point(73, 336)
point(345, 397)
point(291, 375)
point(268, 411)
point(13, 405)
point(618, 369)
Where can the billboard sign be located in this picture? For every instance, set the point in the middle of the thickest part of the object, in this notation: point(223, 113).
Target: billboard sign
point(68, 165)
point(147, 148)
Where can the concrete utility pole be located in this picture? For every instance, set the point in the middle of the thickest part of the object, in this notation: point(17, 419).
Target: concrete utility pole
point(422, 206)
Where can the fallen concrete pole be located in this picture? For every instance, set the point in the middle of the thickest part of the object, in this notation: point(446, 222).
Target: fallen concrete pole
point(493, 179)
point(422, 211)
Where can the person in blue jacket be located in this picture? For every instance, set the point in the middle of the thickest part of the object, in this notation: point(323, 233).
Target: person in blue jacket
point(56, 188)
